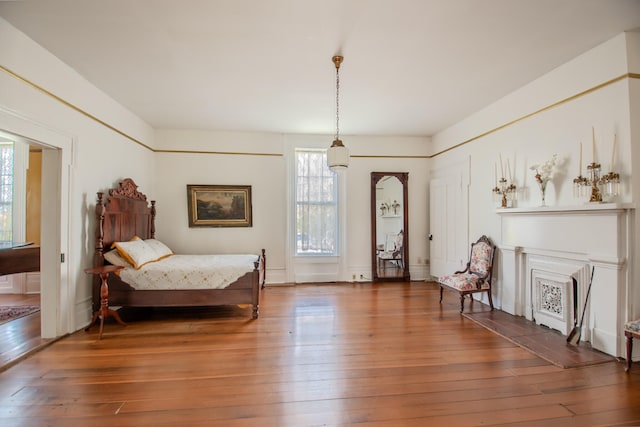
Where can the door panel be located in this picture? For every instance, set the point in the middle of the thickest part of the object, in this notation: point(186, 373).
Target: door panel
point(448, 223)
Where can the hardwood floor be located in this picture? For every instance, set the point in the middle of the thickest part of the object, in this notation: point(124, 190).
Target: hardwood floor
point(20, 337)
point(363, 355)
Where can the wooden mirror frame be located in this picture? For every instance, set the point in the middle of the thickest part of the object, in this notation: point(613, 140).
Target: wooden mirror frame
point(403, 177)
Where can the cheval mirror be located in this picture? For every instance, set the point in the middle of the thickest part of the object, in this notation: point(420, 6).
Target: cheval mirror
point(389, 226)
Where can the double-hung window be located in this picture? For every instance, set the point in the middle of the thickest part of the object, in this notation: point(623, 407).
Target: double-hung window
point(316, 204)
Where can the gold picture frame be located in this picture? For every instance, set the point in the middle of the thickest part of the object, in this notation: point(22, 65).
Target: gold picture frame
point(219, 205)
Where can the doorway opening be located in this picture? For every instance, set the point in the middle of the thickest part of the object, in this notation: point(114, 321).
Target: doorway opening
point(56, 315)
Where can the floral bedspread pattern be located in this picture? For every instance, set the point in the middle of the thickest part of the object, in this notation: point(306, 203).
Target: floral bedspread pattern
point(190, 272)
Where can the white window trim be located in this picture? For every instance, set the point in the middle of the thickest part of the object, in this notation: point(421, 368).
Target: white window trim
point(313, 268)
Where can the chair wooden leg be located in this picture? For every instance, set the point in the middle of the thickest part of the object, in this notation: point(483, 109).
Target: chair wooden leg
point(461, 303)
point(490, 300)
point(629, 351)
point(440, 294)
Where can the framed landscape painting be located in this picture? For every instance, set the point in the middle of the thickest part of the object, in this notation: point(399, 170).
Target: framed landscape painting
point(219, 205)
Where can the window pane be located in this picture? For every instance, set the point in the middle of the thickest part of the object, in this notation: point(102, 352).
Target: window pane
point(6, 192)
point(316, 204)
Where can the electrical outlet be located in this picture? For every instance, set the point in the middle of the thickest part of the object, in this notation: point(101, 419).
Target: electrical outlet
point(353, 277)
point(362, 277)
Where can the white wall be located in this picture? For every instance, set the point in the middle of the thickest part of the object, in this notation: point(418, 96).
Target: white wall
point(260, 160)
point(391, 151)
point(260, 164)
point(633, 55)
point(99, 156)
point(552, 114)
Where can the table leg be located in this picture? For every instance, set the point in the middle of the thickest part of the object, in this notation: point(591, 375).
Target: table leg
point(104, 310)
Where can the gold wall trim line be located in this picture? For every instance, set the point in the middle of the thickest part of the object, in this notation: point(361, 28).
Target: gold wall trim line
point(541, 110)
point(365, 156)
point(218, 152)
point(72, 106)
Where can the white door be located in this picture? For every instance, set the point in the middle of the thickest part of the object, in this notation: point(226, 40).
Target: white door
point(448, 220)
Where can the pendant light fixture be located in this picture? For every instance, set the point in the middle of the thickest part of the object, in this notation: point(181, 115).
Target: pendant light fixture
point(337, 154)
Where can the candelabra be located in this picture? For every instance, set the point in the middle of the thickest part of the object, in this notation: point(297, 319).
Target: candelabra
point(505, 193)
point(594, 187)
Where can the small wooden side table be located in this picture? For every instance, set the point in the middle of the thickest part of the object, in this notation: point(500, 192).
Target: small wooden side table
point(104, 311)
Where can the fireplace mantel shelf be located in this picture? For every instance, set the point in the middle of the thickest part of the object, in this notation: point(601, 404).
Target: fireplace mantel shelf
point(582, 209)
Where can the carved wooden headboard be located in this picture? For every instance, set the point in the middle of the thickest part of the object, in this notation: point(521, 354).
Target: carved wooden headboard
point(125, 213)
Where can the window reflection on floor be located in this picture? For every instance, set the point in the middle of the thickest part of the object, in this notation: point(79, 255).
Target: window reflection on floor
point(315, 354)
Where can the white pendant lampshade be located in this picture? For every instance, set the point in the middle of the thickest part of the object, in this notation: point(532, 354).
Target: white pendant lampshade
point(337, 154)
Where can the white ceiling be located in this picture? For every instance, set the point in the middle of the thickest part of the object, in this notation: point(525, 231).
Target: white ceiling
point(411, 67)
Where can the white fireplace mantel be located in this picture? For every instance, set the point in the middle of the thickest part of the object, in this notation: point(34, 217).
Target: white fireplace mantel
point(586, 208)
point(547, 246)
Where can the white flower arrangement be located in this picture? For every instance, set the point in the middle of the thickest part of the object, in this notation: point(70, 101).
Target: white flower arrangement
point(545, 171)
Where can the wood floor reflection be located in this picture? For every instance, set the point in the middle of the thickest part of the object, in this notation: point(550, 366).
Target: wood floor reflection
point(326, 354)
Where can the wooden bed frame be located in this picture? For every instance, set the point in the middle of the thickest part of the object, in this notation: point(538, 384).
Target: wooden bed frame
point(125, 213)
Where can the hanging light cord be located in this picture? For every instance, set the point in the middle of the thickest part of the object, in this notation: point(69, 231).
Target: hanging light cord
point(337, 101)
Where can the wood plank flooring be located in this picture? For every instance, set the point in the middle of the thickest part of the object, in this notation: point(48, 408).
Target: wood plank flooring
point(20, 337)
point(367, 355)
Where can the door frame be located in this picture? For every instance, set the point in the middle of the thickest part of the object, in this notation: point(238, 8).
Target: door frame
point(56, 293)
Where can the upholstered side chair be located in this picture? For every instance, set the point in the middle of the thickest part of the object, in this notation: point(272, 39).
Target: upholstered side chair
point(476, 277)
point(393, 252)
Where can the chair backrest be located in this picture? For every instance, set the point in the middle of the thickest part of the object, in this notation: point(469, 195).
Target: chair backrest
point(399, 242)
point(481, 259)
point(390, 242)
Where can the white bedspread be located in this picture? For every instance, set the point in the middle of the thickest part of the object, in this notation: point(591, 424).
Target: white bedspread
point(190, 272)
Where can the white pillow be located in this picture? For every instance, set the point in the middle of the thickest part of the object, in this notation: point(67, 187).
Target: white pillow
point(160, 248)
point(113, 256)
point(137, 252)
